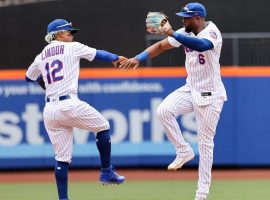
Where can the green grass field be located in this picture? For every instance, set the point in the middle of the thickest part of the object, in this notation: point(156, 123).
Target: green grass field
point(140, 190)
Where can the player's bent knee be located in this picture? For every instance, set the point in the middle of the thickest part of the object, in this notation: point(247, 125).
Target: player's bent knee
point(162, 112)
point(104, 127)
point(65, 158)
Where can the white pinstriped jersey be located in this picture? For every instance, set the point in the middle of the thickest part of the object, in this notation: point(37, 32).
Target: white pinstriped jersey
point(203, 94)
point(203, 68)
point(59, 64)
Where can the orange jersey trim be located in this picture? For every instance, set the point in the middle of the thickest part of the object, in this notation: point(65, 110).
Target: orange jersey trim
point(151, 72)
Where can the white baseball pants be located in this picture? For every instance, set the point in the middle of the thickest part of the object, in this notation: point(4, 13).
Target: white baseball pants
point(60, 117)
point(178, 103)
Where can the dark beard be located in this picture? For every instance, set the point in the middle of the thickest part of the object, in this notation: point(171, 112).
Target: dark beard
point(188, 29)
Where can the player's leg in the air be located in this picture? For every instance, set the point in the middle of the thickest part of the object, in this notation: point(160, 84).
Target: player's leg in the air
point(90, 119)
point(175, 104)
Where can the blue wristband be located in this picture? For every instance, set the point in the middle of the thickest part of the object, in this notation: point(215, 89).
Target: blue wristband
point(142, 56)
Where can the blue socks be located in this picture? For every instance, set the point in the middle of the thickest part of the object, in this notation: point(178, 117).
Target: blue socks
point(61, 176)
point(103, 141)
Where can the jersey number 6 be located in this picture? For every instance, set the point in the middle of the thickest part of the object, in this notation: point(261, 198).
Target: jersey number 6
point(201, 59)
point(56, 66)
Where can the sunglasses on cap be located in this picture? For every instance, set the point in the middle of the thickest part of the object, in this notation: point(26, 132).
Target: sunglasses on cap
point(186, 10)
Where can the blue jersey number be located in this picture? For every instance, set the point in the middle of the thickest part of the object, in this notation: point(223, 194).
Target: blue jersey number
point(201, 59)
point(57, 66)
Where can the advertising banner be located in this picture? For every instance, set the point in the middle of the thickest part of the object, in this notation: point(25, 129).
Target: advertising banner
point(129, 101)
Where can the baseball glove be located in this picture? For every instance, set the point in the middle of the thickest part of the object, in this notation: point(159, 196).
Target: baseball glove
point(157, 23)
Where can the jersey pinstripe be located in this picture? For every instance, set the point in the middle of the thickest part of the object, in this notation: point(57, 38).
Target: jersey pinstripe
point(59, 65)
point(61, 116)
point(203, 68)
point(203, 94)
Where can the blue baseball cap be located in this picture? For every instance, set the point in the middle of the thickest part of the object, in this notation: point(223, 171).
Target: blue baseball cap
point(192, 9)
point(61, 24)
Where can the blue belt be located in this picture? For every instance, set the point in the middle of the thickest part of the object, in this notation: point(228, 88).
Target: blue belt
point(61, 98)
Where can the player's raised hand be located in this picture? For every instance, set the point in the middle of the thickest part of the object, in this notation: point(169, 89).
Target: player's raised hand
point(129, 63)
point(116, 63)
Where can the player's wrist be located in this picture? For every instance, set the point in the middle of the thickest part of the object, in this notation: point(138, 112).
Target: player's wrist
point(142, 56)
point(116, 58)
point(170, 32)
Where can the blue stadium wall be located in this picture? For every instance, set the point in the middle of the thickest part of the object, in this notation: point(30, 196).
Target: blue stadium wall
point(129, 101)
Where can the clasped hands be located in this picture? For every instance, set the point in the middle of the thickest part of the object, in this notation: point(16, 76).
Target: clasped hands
point(124, 63)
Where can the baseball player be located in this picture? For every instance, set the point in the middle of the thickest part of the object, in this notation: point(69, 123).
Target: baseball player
point(203, 93)
point(56, 69)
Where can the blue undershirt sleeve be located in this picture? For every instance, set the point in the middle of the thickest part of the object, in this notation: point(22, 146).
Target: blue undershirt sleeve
point(28, 79)
point(193, 43)
point(39, 81)
point(106, 56)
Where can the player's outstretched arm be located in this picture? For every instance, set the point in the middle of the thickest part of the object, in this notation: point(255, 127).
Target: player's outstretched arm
point(134, 62)
point(151, 52)
point(109, 57)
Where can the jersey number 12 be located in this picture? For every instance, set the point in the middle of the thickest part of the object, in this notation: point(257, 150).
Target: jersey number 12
point(56, 66)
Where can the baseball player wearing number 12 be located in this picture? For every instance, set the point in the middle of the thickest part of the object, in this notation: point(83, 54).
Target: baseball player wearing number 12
point(56, 69)
point(203, 93)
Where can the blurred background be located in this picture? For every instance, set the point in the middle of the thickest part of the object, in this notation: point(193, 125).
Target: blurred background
point(128, 103)
point(119, 26)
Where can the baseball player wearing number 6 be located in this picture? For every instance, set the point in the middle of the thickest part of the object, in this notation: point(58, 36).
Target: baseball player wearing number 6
point(204, 93)
point(56, 69)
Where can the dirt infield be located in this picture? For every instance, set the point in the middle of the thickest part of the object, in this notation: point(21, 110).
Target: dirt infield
point(134, 174)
